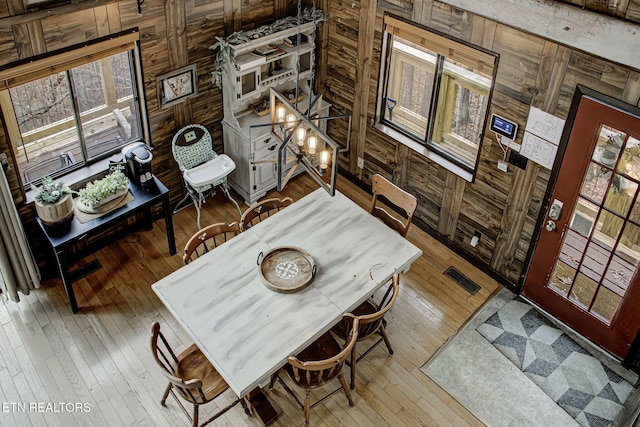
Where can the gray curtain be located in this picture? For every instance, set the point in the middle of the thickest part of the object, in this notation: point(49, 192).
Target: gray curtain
point(17, 266)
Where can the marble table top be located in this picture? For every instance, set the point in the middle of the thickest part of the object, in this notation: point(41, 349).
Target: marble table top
point(248, 331)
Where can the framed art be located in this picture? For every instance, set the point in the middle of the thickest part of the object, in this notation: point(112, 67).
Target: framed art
point(177, 86)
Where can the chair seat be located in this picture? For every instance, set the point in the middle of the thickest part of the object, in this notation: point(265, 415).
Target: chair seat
point(210, 172)
point(194, 364)
point(324, 347)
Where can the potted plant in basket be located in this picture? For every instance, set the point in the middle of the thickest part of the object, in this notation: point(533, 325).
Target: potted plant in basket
point(53, 201)
point(102, 191)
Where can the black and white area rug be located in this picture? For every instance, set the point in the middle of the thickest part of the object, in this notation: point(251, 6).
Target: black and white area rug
point(488, 367)
point(579, 383)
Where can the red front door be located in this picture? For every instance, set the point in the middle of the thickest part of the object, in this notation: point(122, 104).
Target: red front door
point(584, 267)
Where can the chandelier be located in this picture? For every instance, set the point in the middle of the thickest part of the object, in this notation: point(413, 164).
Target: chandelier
point(302, 133)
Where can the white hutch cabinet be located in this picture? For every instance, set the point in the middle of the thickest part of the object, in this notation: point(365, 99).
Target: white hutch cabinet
point(254, 68)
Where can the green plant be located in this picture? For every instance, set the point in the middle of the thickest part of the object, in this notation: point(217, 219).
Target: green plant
point(94, 192)
point(50, 191)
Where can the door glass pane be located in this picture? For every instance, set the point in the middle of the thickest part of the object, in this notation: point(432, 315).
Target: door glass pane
point(573, 248)
point(630, 160)
point(608, 146)
point(595, 261)
point(106, 121)
point(562, 278)
point(620, 195)
point(583, 290)
point(596, 182)
point(584, 216)
point(601, 248)
point(47, 126)
point(606, 304)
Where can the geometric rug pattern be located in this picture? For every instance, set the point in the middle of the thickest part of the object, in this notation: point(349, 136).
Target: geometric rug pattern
point(586, 389)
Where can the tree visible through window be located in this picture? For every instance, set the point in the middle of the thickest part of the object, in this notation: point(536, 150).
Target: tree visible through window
point(436, 91)
point(73, 117)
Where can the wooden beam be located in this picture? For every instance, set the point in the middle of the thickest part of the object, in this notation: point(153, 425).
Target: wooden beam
point(451, 203)
point(605, 36)
point(514, 218)
point(322, 51)
point(231, 16)
point(367, 24)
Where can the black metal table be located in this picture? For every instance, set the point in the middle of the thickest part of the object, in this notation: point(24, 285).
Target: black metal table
point(143, 199)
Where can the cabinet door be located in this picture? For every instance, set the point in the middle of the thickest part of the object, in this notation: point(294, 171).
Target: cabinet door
point(247, 84)
point(264, 175)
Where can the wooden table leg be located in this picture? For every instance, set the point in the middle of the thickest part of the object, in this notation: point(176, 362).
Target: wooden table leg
point(261, 407)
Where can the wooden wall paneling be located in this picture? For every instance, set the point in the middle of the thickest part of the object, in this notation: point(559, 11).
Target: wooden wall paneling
point(12, 8)
point(633, 11)
point(231, 16)
point(36, 35)
point(422, 11)
point(450, 206)
point(426, 181)
point(4, 8)
point(102, 20)
point(19, 44)
point(113, 16)
point(514, 217)
point(520, 54)
point(256, 13)
point(322, 43)
point(366, 27)
point(61, 31)
point(608, 6)
point(556, 77)
point(178, 53)
point(453, 21)
point(631, 93)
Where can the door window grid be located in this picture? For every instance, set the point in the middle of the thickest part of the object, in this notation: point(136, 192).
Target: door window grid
point(601, 249)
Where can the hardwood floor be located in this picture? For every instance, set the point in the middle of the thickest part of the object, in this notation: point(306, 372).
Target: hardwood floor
point(100, 360)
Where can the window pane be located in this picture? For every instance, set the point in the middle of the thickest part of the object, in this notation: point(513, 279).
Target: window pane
point(411, 76)
point(462, 106)
point(47, 126)
point(107, 124)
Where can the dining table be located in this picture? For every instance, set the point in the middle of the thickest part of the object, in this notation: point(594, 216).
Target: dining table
point(246, 329)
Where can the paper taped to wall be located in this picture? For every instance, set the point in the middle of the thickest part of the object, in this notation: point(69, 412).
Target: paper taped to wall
point(537, 149)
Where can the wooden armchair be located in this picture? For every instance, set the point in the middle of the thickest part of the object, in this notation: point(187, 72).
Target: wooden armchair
point(318, 364)
point(191, 375)
point(209, 238)
point(398, 197)
point(371, 321)
point(263, 210)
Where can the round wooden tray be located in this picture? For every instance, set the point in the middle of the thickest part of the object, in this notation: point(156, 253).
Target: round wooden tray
point(286, 269)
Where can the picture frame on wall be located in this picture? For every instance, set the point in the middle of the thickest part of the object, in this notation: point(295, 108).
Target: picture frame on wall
point(177, 86)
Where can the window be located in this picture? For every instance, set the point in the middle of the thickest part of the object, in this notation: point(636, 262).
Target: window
point(70, 109)
point(435, 92)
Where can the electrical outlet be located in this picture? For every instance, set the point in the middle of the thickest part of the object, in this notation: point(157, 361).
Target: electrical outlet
point(502, 166)
point(360, 162)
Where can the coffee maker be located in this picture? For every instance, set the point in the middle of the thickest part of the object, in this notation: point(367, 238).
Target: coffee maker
point(138, 158)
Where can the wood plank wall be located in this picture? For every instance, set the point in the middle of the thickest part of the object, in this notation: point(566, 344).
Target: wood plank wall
point(533, 72)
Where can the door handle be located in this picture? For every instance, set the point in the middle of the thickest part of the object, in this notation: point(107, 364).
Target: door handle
point(550, 225)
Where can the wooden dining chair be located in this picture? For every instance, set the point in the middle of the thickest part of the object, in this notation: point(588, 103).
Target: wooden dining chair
point(209, 238)
point(263, 210)
point(371, 322)
point(191, 375)
point(399, 198)
point(318, 364)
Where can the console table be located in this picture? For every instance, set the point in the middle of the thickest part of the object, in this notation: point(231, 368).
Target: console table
point(143, 199)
